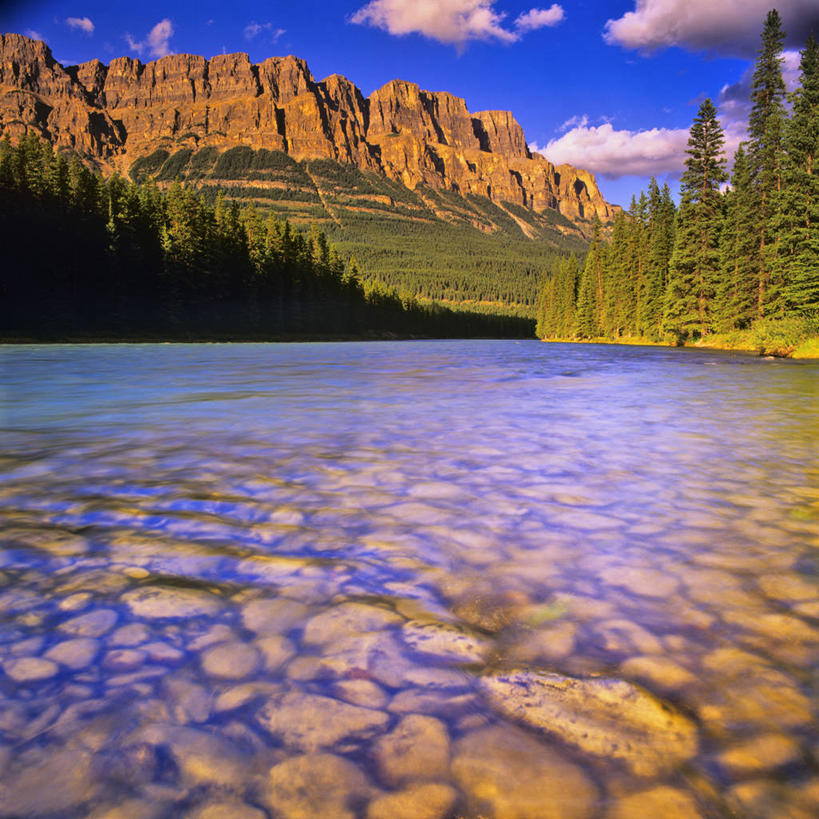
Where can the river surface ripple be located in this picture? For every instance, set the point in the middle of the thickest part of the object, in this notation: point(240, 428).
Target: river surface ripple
point(421, 579)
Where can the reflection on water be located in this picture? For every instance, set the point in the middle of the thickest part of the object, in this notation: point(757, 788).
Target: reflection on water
point(430, 579)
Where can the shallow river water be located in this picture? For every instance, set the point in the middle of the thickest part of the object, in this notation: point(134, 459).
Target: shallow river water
point(412, 579)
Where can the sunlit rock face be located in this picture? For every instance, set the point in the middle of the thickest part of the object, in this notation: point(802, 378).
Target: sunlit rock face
point(118, 113)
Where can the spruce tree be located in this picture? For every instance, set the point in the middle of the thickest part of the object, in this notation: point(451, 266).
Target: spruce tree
point(695, 261)
point(662, 213)
point(765, 125)
point(588, 311)
point(798, 251)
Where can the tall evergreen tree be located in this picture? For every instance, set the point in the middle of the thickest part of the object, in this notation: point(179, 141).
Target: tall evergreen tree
point(588, 311)
point(695, 261)
point(798, 251)
point(765, 126)
point(662, 213)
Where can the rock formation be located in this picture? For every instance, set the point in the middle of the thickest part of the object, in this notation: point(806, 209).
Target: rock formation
point(115, 114)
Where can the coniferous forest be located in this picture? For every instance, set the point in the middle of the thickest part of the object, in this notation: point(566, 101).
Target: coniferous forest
point(85, 257)
point(738, 264)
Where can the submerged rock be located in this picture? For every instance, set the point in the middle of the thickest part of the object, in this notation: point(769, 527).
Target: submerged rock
point(231, 661)
point(663, 801)
point(157, 602)
point(606, 717)
point(507, 774)
point(417, 748)
point(94, 624)
point(304, 787)
point(341, 621)
point(444, 642)
point(310, 722)
point(30, 669)
point(429, 801)
point(276, 615)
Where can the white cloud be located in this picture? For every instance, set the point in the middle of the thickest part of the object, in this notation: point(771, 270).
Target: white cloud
point(254, 29)
point(157, 43)
point(540, 18)
point(721, 26)
point(81, 23)
point(606, 151)
point(35, 35)
point(452, 21)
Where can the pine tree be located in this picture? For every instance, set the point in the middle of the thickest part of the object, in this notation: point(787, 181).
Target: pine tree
point(588, 311)
point(798, 251)
point(662, 213)
point(765, 126)
point(695, 261)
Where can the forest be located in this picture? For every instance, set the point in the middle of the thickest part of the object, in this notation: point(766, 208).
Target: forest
point(87, 258)
point(736, 264)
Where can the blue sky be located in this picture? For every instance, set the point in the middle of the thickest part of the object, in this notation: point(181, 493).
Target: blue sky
point(609, 85)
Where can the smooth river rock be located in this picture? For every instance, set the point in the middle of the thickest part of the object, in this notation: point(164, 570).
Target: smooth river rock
point(231, 661)
point(602, 716)
point(310, 722)
point(341, 621)
point(417, 748)
point(276, 615)
point(158, 602)
point(444, 642)
point(433, 800)
point(94, 624)
point(30, 669)
point(315, 785)
point(507, 774)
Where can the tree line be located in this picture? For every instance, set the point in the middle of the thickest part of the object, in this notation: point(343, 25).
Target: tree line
point(88, 257)
point(727, 260)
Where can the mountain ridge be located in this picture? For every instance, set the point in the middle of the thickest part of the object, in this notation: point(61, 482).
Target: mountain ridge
point(122, 112)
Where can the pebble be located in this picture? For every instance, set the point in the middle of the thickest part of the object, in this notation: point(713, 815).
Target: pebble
point(417, 748)
point(226, 810)
point(309, 722)
point(277, 615)
point(605, 717)
point(444, 642)
point(94, 624)
point(122, 660)
point(645, 582)
point(340, 621)
point(428, 801)
point(659, 671)
point(131, 635)
point(760, 754)
point(315, 785)
point(231, 661)
point(30, 669)
point(365, 693)
point(75, 602)
point(662, 801)
point(507, 774)
point(75, 654)
point(276, 651)
point(158, 602)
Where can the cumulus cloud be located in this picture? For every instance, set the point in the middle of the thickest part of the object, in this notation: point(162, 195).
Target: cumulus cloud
point(35, 35)
point(611, 153)
point(81, 23)
point(453, 21)
point(729, 27)
point(158, 41)
point(254, 29)
point(540, 18)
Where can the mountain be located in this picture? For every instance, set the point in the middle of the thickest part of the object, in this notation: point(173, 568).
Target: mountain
point(404, 163)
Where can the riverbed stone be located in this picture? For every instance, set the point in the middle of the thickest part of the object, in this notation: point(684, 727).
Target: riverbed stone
point(159, 652)
point(365, 693)
point(131, 635)
point(309, 722)
point(231, 661)
point(659, 671)
point(433, 800)
point(345, 619)
point(627, 637)
point(606, 717)
point(789, 587)
point(759, 754)
point(93, 624)
point(55, 782)
point(663, 801)
point(189, 701)
point(444, 642)
point(508, 774)
point(238, 696)
point(75, 654)
point(276, 651)
point(417, 748)
point(30, 669)
point(313, 785)
point(224, 809)
point(642, 581)
point(490, 612)
point(122, 660)
point(550, 643)
point(273, 615)
point(446, 704)
point(159, 602)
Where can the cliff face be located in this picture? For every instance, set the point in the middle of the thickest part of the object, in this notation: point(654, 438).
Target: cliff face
point(115, 114)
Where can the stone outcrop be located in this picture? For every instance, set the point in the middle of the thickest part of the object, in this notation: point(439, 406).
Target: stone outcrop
point(115, 114)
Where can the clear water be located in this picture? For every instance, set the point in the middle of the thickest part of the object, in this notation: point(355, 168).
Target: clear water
point(217, 561)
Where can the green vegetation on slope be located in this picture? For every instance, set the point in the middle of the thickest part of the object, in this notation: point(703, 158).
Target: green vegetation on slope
point(432, 244)
point(91, 258)
point(739, 268)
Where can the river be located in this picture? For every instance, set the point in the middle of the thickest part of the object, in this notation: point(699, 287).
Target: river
point(422, 579)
